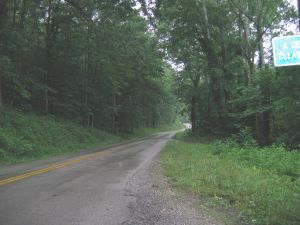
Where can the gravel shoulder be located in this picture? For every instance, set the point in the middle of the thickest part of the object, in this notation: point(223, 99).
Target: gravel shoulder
point(157, 203)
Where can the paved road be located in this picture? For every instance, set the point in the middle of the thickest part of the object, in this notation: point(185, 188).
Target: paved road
point(89, 191)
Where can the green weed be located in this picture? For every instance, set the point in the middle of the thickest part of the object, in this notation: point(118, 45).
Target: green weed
point(263, 184)
point(26, 137)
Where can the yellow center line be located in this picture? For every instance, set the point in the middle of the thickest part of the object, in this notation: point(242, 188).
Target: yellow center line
point(52, 167)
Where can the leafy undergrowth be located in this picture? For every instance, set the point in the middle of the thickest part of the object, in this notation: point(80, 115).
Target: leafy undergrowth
point(262, 184)
point(25, 137)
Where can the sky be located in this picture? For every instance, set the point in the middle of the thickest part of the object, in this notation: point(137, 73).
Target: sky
point(294, 3)
point(293, 27)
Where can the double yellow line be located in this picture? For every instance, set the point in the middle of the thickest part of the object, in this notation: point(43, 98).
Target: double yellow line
point(53, 167)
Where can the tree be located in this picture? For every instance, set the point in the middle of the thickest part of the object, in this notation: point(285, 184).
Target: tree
point(92, 61)
point(216, 42)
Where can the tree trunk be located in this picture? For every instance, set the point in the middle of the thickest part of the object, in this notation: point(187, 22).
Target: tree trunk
point(48, 56)
point(87, 74)
point(2, 13)
point(261, 58)
point(92, 122)
point(15, 13)
point(206, 20)
point(1, 103)
point(114, 115)
point(46, 93)
point(267, 119)
point(2, 23)
point(240, 24)
point(22, 16)
point(194, 115)
point(247, 48)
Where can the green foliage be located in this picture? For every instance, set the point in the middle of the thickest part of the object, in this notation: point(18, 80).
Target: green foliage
point(97, 63)
point(29, 136)
point(24, 137)
point(286, 106)
point(244, 138)
point(92, 61)
point(224, 89)
point(263, 184)
point(188, 136)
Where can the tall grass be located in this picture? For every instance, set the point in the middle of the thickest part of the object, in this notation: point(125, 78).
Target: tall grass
point(263, 184)
point(26, 137)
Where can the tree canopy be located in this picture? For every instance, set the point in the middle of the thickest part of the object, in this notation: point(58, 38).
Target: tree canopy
point(227, 79)
point(92, 61)
point(109, 64)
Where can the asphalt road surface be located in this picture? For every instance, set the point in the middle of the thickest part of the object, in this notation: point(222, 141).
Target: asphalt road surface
point(81, 190)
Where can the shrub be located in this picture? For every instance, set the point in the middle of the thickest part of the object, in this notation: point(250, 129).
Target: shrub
point(28, 136)
point(262, 183)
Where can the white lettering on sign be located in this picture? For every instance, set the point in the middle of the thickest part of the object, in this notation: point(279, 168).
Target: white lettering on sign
point(286, 50)
point(295, 44)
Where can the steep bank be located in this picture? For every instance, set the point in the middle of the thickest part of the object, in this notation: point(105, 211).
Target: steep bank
point(26, 137)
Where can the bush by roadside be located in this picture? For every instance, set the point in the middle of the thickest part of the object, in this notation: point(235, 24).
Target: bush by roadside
point(263, 184)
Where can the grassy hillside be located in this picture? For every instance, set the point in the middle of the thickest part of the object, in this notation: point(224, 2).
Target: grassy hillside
point(26, 137)
point(260, 184)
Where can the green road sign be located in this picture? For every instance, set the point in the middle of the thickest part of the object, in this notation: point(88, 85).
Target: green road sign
point(286, 50)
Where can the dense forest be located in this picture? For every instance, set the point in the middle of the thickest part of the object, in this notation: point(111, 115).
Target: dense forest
point(78, 75)
point(227, 77)
point(117, 64)
point(93, 62)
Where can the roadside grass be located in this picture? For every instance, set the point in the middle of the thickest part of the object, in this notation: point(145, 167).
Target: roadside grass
point(26, 137)
point(263, 185)
point(187, 136)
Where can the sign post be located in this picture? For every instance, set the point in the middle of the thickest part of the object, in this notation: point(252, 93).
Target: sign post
point(286, 50)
